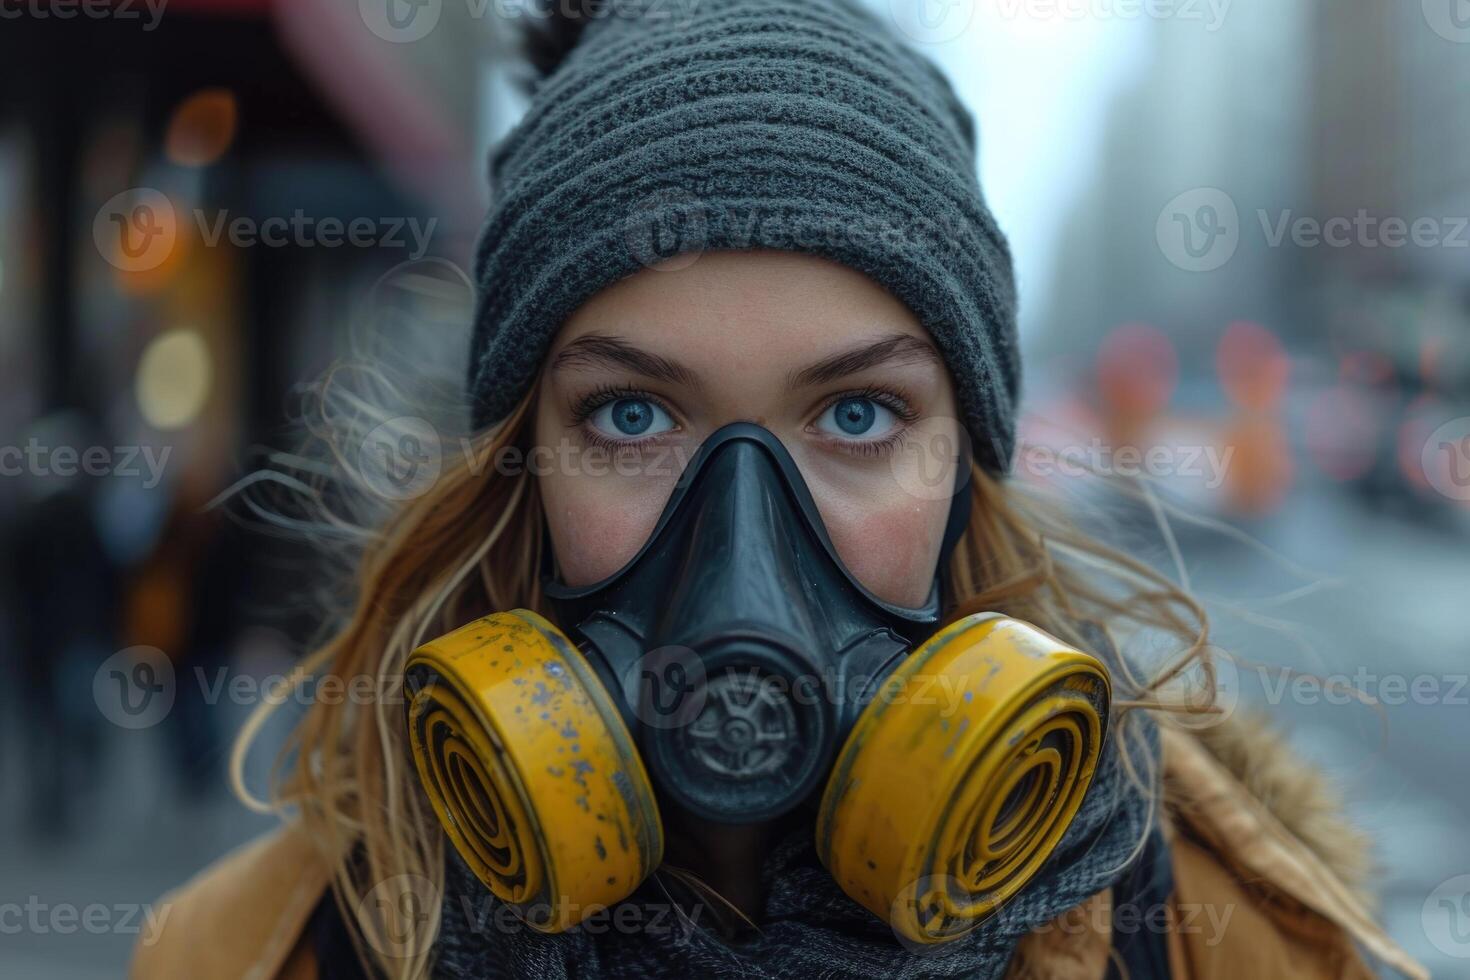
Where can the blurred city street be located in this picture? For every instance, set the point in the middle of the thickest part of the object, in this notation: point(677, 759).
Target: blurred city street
point(1396, 614)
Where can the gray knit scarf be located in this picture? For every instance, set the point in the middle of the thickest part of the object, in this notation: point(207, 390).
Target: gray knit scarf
point(809, 928)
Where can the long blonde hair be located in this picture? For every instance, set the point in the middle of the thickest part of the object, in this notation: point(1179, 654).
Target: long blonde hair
point(470, 545)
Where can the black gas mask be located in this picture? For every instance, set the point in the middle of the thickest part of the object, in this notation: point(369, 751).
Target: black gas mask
point(737, 665)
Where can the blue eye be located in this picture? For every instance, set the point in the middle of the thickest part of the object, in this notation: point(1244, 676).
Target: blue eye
point(857, 416)
point(630, 417)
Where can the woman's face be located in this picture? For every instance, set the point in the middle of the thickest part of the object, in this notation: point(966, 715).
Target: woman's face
point(814, 351)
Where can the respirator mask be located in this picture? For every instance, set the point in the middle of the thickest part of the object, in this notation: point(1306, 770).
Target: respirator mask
point(735, 667)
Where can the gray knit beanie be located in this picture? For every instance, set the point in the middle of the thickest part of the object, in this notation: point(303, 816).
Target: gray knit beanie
point(682, 126)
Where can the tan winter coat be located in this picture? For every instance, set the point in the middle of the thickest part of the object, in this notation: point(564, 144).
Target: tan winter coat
point(1267, 883)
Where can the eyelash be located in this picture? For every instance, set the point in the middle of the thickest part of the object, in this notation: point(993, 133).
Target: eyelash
point(893, 399)
point(587, 405)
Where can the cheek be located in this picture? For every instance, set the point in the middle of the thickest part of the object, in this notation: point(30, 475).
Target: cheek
point(892, 550)
point(597, 518)
point(596, 525)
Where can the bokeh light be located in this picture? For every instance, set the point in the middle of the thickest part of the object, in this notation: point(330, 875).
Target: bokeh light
point(1429, 354)
point(1421, 417)
point(1343, 432)
point(154, 277)
point(1252, 366)
point(202, 128)
point(1261, 470)
point(1137, 370)
point(1368, 368)
point(174, 378)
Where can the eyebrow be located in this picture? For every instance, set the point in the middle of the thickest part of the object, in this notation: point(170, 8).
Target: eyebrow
point(603, 350)
point(899, 348)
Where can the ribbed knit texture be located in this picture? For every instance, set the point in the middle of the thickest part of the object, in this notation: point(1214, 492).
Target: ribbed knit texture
point(806, 126)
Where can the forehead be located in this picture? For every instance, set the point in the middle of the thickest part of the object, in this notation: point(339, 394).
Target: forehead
point(760, 304)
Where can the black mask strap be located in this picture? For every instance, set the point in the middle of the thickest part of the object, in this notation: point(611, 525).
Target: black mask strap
point(959, 514)
point(959, 507)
